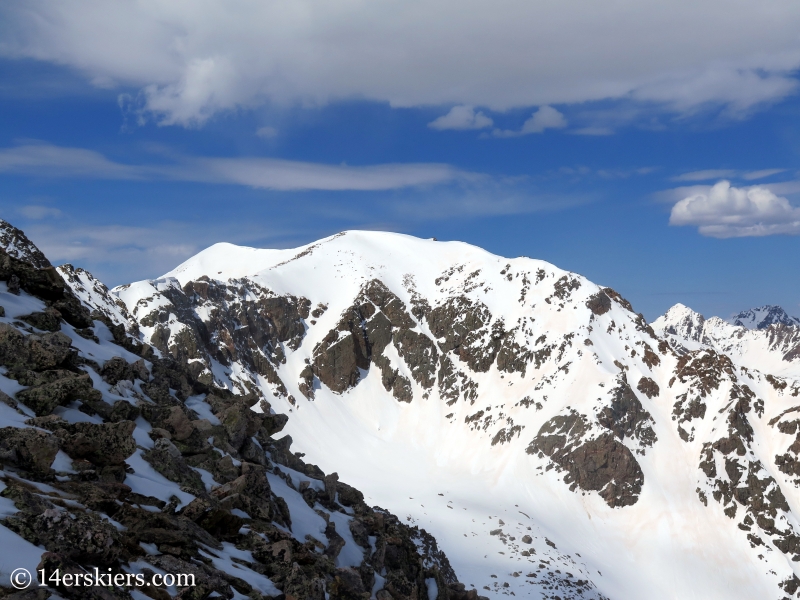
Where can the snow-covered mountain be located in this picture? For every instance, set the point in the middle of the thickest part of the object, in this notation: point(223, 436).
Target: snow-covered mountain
point(119, 470)
point(773, 349)
point(552, 442)
point(763, 317)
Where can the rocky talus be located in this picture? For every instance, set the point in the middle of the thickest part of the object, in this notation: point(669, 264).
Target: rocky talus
point(119, 456)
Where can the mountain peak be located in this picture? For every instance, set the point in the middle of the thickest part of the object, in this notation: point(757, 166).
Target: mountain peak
point(763, 317)
point(17, 245)
point(682, 321)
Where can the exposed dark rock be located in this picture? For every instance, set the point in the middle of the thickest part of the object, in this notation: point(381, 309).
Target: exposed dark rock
point(614, 295)
point(340, 355)
point(599, 303)
point(82, 537)
point(392, 381)
point(167, 460)
point(419, 353)
point(686, 410)
point(46, 320)
point(306, 384)
point(626, 417)
point(44, 398)
point(36, 352)
point(101, 444)
point(28, 449)
point(240, 423)
point(462, 326)
point(648, 387)
point(601, 464)
point(117, 368)
point(705, 368)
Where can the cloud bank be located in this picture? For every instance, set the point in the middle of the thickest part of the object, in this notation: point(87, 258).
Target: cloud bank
point(189, 60)
point(726, 211)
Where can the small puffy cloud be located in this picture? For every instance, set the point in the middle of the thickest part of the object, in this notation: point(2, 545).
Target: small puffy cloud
point(546, 117)
point(266, 132)
point(461, 117)
point(725, 211)
point(36, 212)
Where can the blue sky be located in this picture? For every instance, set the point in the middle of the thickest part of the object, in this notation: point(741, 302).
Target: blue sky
point(650, 150)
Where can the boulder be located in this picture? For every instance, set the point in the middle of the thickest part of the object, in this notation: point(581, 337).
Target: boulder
point(43, 399)
point(36, 352)
point(167, 460)
point(82, 536)
point(102, 444)
point(240, 423)
point(116, 369)
point(47, 320)
point(28, 449)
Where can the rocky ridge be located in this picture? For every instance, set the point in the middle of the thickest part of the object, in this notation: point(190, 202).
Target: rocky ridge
point(128, 457)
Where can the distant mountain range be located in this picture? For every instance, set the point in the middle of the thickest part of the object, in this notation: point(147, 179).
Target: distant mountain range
point(763, 317)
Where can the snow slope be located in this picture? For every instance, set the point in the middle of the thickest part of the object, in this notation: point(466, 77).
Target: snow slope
point(515, 399)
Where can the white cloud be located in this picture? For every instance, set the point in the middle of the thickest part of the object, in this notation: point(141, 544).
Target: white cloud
point(268, 173)
point(593, 130)
point(37, 212)
point(546, 117)
point(753, 175)
point(725, 211)
point(461, 117)
point(709, 174)
point(266, 132)
point(705, 175)
point(287, 175)
point(191, 61)
point(55, 161)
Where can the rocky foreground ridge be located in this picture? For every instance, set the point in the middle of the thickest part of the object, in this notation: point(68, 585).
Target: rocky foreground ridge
point(120, 455)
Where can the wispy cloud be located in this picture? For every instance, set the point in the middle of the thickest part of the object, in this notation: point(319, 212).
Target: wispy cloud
point(58, 161)
point(37, 212)
point(45, 160)
point(706, 175)
point(266, 132)
point(709, 174)
point(753, 175)
point(725, 211)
